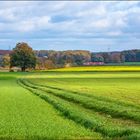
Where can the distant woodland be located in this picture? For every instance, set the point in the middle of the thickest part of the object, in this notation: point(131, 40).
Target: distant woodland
point(48, 59)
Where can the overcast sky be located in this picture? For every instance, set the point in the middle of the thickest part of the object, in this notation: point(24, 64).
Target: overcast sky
point(65, 25)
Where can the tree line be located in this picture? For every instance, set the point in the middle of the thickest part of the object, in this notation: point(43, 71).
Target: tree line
point(55, 59)
point(24, 57)
point(116, 57)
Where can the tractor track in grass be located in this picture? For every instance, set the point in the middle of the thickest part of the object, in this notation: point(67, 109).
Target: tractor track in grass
point(70, 112)
point(25, 116)
point(90, 96)
point(112, 109)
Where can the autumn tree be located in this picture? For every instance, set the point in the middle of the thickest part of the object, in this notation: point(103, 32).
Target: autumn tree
point(44, 63)
point(115, 57)
point(5, 60)
point(23, 56)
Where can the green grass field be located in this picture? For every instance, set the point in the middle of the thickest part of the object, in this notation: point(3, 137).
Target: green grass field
point(71, 103)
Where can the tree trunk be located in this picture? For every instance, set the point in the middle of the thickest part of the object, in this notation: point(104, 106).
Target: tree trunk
point(23, 69)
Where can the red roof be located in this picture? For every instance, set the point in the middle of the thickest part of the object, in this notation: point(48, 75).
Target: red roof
point(93, 63)
point(3, 52)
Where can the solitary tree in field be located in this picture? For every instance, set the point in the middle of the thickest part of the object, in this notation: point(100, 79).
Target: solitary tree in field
point(23, 56)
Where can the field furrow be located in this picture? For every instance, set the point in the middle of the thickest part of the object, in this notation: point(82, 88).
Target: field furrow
point(70, 105)
point(91, 96)
point(105, 107)
point(82, 116)
point(24, 116)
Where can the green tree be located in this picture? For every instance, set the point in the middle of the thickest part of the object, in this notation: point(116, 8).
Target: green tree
point(23, 56)
point(138, 56)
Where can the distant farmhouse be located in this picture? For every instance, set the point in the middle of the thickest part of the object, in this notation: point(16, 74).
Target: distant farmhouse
point(93, 63)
